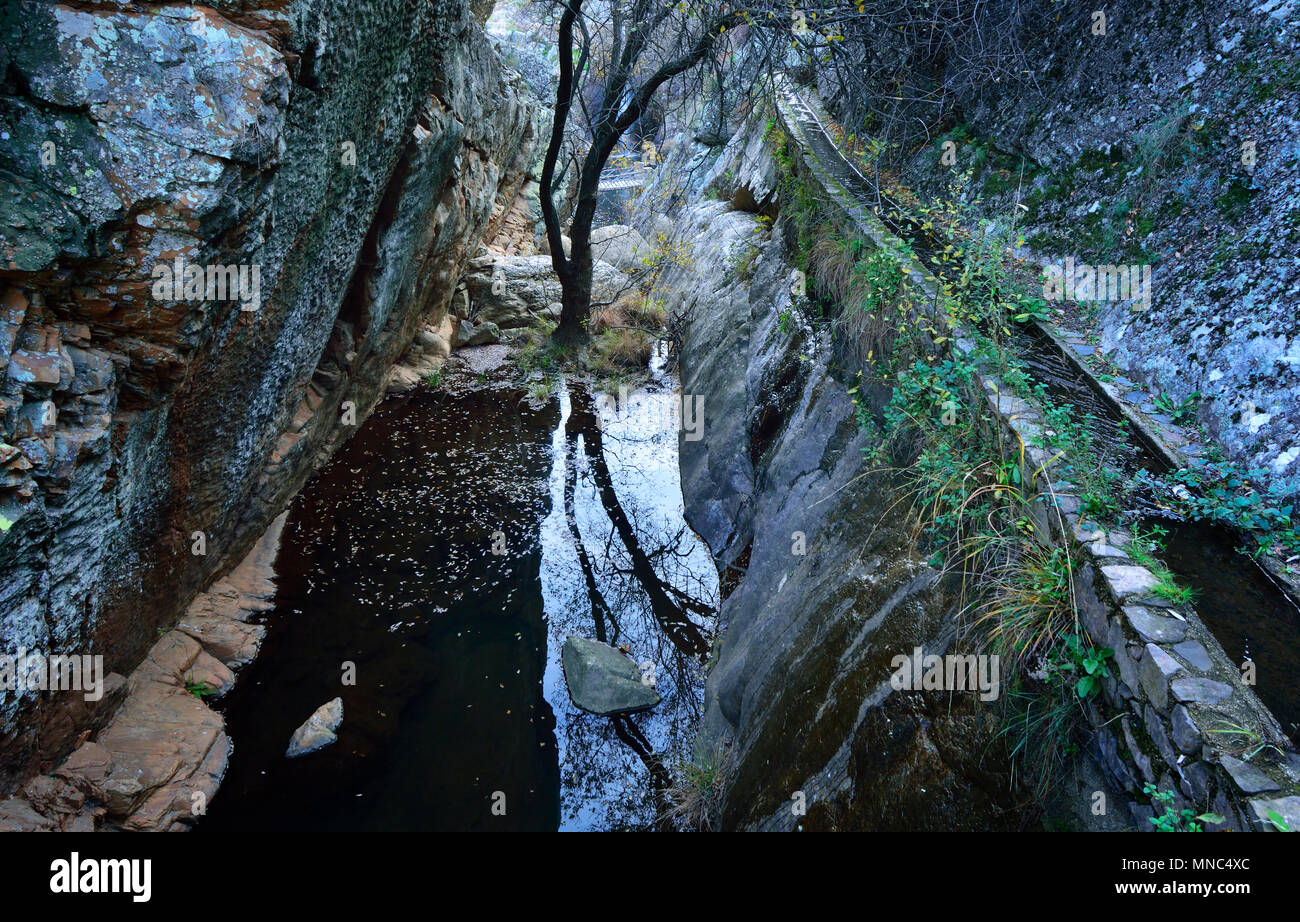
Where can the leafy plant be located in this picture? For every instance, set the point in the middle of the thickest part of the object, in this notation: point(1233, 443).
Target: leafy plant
point(1100, 506)
point(1181, 413)
point(1177, 820)
point(1026, 309)
point(1279, 822)
point(743, 257)
point(199, 689)
point(1219, 491)
point(1101, 488)
point(1031, 608)
point(1039, 731)
point(540, 391)
point(1089, 662)
point(1171, 591)
point(1076, 664)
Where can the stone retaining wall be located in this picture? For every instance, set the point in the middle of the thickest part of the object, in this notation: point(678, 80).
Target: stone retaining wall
point(1156, 720)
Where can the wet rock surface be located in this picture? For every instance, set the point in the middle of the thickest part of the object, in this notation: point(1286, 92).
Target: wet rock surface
point(824, 586)
point(603, 681)
point(355, 156)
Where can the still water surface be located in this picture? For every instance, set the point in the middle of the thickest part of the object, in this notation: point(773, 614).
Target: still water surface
point(387, 563)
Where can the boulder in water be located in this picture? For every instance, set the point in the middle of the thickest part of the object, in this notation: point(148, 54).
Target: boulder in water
point(318, 731)
point(604, 681)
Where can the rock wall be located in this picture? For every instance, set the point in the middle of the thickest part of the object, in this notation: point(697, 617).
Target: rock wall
point(1167, 138)
point(822, 588)
point(353, 156)
point(1162, 719)
point(1176, 690)
point(825, 587)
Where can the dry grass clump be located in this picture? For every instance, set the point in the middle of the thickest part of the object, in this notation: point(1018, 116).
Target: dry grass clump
point(624, 333)
point(694, 800)
point(623, 348)
point(632, 309)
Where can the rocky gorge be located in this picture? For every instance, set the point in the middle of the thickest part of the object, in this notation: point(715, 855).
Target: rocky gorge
point(149, 444)
point(350, 444)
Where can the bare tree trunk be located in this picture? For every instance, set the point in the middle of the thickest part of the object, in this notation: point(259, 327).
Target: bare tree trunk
point(615, 116)
point(575, 299)
point(575, 295)
point(572, 301)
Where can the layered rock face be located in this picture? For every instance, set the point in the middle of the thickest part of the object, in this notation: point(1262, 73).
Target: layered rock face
point(515, 291)
point(822, 587)
point(329, 167)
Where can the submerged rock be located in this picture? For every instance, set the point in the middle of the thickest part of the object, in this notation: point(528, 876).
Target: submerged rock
point(602, 680)
point(318, 731)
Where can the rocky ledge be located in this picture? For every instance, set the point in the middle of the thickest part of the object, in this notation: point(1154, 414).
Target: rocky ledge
point(162, 755)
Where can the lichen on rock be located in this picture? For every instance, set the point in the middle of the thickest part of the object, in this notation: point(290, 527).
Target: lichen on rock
point(356, 156)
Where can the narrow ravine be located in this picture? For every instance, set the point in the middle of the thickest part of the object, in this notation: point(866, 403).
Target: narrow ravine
point(387, 563)
point(531, 416)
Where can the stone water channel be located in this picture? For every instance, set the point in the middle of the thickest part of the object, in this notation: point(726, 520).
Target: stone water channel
point(387, 563)
point(1251, 615)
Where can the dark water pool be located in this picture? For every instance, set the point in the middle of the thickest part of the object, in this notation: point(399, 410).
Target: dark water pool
point(387, 563)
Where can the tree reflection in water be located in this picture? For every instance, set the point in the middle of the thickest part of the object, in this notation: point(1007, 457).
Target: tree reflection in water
point(639, 580)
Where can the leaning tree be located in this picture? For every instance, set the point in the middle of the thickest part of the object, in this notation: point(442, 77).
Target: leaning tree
point(880, 58)
point(613, 58)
